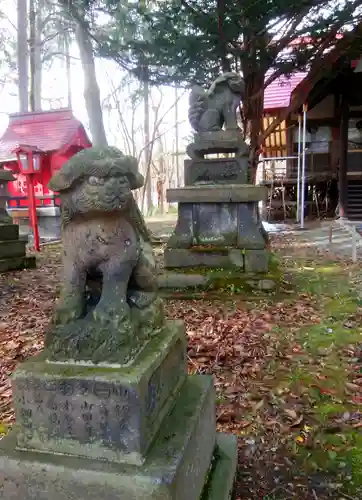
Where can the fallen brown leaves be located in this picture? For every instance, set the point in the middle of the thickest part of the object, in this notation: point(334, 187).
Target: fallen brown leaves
point(235, 342)
point(26, 301)
point(250, 349)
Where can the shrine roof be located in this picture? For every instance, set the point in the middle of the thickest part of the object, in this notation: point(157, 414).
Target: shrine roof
point(277, 95)
point(46, 130)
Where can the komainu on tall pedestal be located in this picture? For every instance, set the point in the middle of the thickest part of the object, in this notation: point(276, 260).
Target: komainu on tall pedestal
point(218, 222)
point(108, 410)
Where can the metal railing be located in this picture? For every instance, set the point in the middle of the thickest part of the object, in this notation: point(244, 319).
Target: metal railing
point(275, 171)
point(301, 164)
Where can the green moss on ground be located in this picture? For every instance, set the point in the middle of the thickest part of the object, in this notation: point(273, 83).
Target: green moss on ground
point(222, 282)
point(322, 375)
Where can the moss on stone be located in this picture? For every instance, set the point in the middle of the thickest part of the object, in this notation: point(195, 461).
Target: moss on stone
point(151, 353)
point(211, 249)
point(220, 279)
point(221, 475)
point(220, 282)
point(274, 265)
point(214, 463)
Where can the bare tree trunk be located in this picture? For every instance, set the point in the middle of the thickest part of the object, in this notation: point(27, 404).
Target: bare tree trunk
point(254, 76)
point(162, 176)
point(32, 31)
point(177, 158)
point(68, 69)
point(38, 80)
point(22, 55)
point(148, 177)
point(254, 117)
point(35, 24)
point(91, 89)
point(225, 63)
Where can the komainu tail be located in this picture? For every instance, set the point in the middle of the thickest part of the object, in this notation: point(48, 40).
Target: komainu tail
point(197, 101)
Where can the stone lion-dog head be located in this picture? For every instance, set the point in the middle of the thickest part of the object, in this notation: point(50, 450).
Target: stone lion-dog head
point(96, 180)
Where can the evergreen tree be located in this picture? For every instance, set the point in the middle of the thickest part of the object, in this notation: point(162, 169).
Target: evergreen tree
point(191, 41)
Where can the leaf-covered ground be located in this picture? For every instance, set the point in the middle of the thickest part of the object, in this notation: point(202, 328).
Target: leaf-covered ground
point(287, 369)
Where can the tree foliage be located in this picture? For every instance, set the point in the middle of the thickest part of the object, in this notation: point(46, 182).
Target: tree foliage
point(190, 41)
point(184, 42)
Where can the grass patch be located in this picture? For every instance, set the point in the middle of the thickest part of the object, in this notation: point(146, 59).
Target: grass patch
point(321, 373)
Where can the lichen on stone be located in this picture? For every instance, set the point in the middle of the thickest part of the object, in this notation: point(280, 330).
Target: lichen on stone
point(108, 305)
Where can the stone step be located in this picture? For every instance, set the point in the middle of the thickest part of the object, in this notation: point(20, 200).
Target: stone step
point(13, 263)
point(183, 463)
point(248, 260)
point(221, 481)
point(100, 412)
point(12, 248)
point(192, 283)
point(9, 232)
point(222, 193)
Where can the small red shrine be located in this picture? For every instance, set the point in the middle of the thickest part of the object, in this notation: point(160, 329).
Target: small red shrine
point(56, 136)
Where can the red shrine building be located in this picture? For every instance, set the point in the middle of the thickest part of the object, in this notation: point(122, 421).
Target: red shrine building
point(55, 136)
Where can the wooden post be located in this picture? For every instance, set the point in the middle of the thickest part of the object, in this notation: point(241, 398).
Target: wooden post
point(330, 234)
point(354, 245)
point(342, 175)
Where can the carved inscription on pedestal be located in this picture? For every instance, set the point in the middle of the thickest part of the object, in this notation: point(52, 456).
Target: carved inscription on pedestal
point(81, 410)
point(219, 171)
point(163, 381)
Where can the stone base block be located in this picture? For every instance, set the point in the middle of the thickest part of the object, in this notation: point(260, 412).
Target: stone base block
point(210, 281)
point(100, 412)
point(249, 261)
point(48, 221)
point(17, 263)
point(217, 224)
point(12, 248)
point(223, 193)
point(223, 258)
point(218, 141)
point(182, 280)
point(256, 261)
point(216, 171)
point(176, 468)
point(222, 474)
point(9, 232)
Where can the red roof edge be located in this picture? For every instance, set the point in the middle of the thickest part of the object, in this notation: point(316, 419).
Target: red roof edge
point(86, 143)
point(41, 116)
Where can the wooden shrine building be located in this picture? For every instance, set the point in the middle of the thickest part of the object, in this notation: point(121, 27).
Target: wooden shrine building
point(332, 94)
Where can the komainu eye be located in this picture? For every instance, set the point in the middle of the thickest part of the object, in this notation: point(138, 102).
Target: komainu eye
point(95, 181)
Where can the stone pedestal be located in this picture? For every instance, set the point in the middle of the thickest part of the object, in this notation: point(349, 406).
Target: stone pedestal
point(218, 222)
point(141, 431)
point(12, 249)
point(48, 222)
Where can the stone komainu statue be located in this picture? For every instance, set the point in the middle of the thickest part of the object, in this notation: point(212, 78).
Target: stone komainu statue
point(109, 292)
point(212, 109)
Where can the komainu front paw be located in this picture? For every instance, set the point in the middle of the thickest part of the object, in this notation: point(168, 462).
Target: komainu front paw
point(68, 310)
